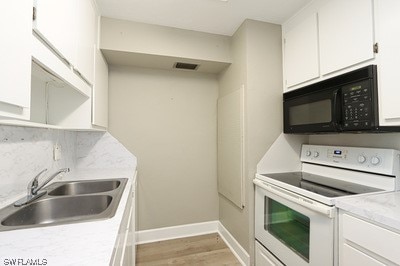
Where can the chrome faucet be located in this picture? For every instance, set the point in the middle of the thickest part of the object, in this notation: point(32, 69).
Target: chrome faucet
point(34, 188)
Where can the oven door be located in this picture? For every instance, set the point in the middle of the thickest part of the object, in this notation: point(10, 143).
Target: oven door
point(297, 230)
point(315, 112)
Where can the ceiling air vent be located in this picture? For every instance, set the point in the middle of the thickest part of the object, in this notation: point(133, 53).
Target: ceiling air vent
point(187, 66)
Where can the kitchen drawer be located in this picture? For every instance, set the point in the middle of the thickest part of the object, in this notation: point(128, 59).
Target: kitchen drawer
point(371, 237)
point(355, 257)
point(265, 258)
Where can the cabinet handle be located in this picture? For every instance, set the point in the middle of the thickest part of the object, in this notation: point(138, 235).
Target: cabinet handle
point(376, 48)
point(34, 14)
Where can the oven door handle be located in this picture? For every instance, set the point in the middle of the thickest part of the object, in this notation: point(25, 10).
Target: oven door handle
point(328, 211)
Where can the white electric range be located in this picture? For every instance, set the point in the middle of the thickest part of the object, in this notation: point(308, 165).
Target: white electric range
point(295, 214)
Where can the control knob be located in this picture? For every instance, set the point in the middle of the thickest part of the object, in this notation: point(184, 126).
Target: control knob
point(316, 154)
point(308, 153)
point(375, 160)
point(361, 159)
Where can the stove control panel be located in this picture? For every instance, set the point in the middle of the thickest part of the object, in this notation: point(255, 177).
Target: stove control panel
point(383, 161)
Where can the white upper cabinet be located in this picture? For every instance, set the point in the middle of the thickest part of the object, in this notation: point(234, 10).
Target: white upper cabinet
point(55, 23)
point(346, 34)
point(69, 27)
point(15, 69)
point(328, 38)
point(100, 92)
point(85, 39)
point(388, 38)
point(301, 52)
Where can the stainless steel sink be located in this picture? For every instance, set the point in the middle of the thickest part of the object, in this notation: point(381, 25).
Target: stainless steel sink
point(54, 210)
point(85, 187)
point(67, 202)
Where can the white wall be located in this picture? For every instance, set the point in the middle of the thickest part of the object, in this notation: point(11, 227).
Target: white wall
point(168, 120)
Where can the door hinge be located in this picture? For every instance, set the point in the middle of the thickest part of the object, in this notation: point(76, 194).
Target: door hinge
point(376, 48)
point(34, 13)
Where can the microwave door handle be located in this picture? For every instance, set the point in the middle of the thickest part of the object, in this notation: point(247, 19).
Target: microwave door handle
point(335, 115)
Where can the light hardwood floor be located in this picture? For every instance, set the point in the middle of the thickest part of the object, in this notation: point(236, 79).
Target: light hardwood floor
point(207, 249)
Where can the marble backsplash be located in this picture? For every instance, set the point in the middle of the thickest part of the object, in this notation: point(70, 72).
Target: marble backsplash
point(26, 151)
point(102, 150)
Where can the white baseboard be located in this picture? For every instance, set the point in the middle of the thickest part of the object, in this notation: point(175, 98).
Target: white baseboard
point(240, 253)
point(187, 230)
point(165, 233)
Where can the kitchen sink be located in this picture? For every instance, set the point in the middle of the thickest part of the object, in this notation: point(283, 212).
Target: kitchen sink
point(85, 187)
point(65, 203)
point(53, 210)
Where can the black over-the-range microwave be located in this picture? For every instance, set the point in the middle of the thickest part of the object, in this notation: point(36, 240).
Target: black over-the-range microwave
point(346, 103)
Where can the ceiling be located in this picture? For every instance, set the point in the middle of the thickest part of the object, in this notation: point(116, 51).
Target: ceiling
point(212, 16)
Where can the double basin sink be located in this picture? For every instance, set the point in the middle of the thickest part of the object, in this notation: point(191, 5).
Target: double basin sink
point(66, 202)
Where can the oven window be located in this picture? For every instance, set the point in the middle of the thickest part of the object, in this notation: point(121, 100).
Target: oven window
point(290, 227)
point(310, 113)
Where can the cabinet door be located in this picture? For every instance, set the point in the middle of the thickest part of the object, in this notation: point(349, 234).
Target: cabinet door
point(301, 52)
point(85, 39)
point(100, 92)
point(55, 23)
point(388, 38)
point(16, 45)
point(346, 34)
point(351, 256)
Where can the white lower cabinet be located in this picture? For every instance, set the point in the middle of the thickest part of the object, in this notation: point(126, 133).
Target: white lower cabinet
point(264, 257)
point(365, 243)
point(125, 245)
point(353, 256)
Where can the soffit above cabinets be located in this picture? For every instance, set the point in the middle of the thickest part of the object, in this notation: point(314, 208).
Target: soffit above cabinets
point(211, 16)
point(121, 58)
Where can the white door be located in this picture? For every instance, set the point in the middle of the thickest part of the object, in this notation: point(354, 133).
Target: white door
point(346, 34)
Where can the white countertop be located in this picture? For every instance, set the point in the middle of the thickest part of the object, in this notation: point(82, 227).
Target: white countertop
point(85, 243)
point(383, 208)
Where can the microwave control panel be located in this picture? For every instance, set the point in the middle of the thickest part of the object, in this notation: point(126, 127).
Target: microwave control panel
point(357, 105)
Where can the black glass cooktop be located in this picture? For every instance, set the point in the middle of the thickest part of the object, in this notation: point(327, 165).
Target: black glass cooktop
point(322, 185)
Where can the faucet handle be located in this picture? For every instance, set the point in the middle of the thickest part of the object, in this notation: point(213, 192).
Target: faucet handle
point(35, 181)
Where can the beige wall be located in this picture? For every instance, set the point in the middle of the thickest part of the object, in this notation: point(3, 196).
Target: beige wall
point(168, 120)
point(256, 53)
point(264, 100)
point(235, 220)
